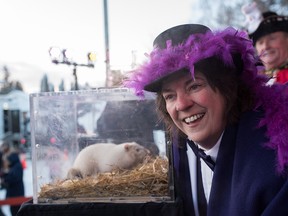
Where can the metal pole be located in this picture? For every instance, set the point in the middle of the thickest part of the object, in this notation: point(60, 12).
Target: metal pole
point(106, 42)
point(75, 76)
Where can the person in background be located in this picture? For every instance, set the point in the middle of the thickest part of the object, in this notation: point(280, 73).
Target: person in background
point(228, 128)
point(270, 39)
point(4, 149)
point(12, 178)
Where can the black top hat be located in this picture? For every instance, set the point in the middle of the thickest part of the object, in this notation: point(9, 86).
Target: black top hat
point(177, 35)
point(271, 23)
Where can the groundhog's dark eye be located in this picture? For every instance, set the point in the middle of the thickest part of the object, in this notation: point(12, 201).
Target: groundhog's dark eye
point(137, 149)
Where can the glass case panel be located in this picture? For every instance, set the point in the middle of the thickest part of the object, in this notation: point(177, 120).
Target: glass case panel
point(99, 145)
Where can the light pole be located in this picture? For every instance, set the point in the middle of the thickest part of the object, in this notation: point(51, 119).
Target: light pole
point(107, 60)
point(59, 56)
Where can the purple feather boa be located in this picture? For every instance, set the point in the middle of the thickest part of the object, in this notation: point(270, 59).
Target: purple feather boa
point(223, 44)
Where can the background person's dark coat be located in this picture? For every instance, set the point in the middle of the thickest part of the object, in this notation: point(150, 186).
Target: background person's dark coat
point(13, 179)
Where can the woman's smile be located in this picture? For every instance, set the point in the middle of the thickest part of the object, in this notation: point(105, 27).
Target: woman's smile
point(193, 118)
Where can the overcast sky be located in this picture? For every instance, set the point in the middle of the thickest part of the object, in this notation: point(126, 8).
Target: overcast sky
point(30, 27)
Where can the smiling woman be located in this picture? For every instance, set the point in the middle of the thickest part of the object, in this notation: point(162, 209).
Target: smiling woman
point(195, 108)
point(211, 97)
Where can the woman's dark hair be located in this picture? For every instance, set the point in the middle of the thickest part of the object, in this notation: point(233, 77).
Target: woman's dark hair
point(222, 78)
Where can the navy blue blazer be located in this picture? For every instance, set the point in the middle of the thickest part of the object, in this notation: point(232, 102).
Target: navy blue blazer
point(245, 180)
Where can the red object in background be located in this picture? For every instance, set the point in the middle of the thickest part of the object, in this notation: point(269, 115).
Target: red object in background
point(282, 76)
point(23, 160)
point(52, 140)
point(14, 201)
point(22, 141)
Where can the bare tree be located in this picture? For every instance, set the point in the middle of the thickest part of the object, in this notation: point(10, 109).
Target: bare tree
point(44, 84)
point(6, 84)
point(222, 13)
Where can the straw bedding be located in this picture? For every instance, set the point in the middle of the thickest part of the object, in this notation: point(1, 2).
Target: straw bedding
point(147, 179)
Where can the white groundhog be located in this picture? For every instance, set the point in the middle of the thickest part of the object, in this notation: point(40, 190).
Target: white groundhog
point(104, 157)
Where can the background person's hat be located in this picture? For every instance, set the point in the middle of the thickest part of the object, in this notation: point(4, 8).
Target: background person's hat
point(272, 22)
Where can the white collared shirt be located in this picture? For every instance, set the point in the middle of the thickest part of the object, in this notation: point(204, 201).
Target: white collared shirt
point(207, 173)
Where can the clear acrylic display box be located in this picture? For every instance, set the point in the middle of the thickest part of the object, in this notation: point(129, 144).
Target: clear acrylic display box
point(63, 123)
